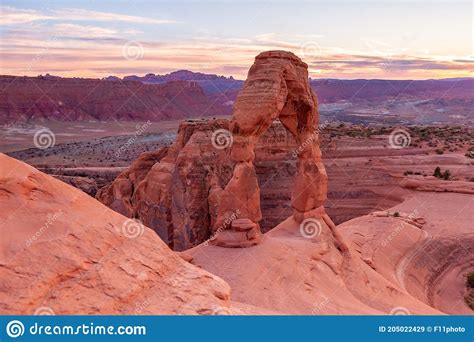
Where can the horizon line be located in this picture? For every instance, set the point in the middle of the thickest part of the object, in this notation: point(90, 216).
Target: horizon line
point(235, 79)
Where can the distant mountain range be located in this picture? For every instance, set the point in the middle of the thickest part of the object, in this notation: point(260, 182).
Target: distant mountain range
point(78, 99)
point(187, 94)
point(210, 83)
point(329, 90)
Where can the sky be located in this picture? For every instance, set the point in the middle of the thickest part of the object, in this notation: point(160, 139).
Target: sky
point(338, 39)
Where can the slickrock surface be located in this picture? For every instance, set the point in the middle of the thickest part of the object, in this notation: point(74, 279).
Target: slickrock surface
point(63, 250)
point(290, 273)
point(434, 184)
point(430, 263)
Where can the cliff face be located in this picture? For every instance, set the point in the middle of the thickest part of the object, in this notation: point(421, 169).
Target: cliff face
point(182, 95)
point(76, 99)
point(173, 196)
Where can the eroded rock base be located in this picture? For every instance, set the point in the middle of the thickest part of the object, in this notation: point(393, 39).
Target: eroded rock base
point(243, 233)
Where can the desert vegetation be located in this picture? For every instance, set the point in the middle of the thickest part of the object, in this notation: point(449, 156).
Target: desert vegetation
point(469, 297)
point(442, 175)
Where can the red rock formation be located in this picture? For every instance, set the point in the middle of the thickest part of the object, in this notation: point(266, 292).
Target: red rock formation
point(211, 170)
point(177, 193)
point(63, 250)
point(183, 198)
point(86, 184)
point(277, 87)
point(119, 196)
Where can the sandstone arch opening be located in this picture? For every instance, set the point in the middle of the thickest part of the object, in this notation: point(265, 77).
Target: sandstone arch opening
point(277, 87)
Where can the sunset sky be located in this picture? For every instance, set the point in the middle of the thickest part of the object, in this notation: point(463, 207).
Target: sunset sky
point(338, 39)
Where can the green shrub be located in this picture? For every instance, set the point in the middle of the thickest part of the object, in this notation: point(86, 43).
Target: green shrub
point(437, 172)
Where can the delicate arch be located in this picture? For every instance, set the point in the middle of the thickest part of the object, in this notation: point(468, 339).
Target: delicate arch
point(277, 87)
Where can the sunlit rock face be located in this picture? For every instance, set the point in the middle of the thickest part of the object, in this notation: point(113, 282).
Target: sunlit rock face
point(277, 87)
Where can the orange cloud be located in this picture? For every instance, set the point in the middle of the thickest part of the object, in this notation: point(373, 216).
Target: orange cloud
point(92, 51)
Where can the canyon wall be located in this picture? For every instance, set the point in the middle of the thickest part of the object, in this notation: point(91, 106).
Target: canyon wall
point(77, 99)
